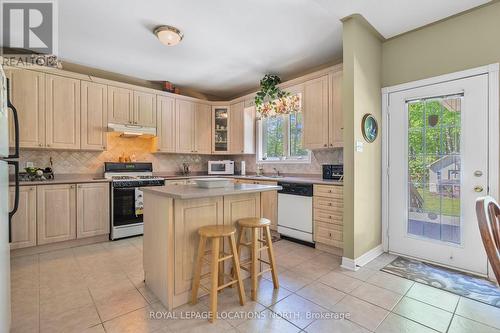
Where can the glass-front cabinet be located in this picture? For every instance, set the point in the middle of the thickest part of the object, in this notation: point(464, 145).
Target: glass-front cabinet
point(220, 121)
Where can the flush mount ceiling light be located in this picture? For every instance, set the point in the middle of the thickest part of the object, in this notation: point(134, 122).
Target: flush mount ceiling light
point(168, 35)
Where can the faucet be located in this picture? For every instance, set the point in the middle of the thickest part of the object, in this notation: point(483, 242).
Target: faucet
point(277, 172)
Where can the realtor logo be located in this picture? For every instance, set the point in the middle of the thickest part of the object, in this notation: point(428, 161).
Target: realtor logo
point(29, 27)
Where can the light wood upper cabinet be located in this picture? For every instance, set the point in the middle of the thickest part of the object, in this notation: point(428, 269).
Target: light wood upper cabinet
point(27, 94)
point(144, 109)
point(62, 109)
point(92, 202)
point(24, 221)
point(120, 105)
point(56, 213)
point(185, 129)
point(94, 115)
point(336, 123)
point(189, 216)
point(203, 129)
point(165, 124)
point(242, 129)
point(315, 109)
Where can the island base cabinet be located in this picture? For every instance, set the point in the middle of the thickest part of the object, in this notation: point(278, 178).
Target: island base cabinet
point(24, 221)
point(92, 202)
point(56, 213)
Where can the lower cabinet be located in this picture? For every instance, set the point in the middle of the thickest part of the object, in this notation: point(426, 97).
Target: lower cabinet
point(269, 200)
point(24, 221)
point(56, 213)
point(328, 206)
point(92, 205)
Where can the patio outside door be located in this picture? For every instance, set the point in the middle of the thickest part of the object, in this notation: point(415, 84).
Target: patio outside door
point(438, 166)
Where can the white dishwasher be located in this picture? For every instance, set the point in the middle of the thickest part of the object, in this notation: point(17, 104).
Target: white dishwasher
point(295, 211)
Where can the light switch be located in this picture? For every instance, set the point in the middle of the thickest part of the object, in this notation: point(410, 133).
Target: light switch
point(359, 146)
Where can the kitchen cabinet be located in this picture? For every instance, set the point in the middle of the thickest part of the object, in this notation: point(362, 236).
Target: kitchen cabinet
point(269, 200)
point(24, 221)
point(92, 204)
point(27, 94)
point(165, 124)
point(189, 216)
point(242, 129)
point(315, 113)
point(56, 213)
point(185, 129)
point(94, 115)
point(62, 112)
point(120, 105)
point(144, 109)
point(335, 119)
point(203, 129)
point(328, 205)
point(221, 130)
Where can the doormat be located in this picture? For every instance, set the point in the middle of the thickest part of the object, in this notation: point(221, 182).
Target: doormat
point(459, 283)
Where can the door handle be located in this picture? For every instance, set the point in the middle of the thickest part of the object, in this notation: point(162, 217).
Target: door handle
point(16, 196)
point(16, 124)
point(478, 189)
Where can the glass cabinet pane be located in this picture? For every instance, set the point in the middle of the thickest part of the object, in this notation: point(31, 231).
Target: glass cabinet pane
point(221, 134)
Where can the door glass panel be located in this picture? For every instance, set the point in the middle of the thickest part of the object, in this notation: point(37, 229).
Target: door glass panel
point(434, 168)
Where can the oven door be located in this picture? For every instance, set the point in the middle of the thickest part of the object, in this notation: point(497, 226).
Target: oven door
point(127, 206)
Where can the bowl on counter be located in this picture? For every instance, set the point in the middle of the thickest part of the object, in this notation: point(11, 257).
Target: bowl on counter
point(212, 182)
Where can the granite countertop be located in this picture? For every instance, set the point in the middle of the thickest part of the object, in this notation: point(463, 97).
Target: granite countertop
point(65, 179)
point(194, 192)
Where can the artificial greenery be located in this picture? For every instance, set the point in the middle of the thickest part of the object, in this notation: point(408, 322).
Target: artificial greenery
point(269, 90)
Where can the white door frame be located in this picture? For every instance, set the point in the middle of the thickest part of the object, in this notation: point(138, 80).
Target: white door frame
point(493, 133)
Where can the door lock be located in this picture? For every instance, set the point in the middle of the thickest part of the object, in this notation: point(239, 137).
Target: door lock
point(478, 189)
point(478, 173)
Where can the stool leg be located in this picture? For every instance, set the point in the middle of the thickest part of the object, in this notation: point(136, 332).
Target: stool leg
point(255, 262)
point(215, 278)
point(236, 269)
point(270, 254)
point(197, 272)
point(238, 251)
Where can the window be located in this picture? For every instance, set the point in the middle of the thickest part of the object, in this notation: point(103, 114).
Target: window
point(280, 139)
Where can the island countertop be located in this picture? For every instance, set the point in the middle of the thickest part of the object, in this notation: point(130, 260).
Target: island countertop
point(184, 192)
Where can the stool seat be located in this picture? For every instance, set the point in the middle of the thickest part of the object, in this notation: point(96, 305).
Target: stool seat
point(254, 222)
point(211, 231)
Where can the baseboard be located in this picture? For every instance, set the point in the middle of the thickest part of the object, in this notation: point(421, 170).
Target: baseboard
point(354, 265)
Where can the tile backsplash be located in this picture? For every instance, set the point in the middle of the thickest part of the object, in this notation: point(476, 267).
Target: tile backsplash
point(92, 162)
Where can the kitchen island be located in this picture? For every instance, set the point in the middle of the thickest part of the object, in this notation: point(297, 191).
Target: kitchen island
point(172, 216)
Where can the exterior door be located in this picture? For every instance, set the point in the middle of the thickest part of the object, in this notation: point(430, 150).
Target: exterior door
point(438, 167)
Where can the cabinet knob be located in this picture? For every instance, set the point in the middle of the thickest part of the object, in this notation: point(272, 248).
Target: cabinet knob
point(32, 188)
point(325, 145)
point(39, 145)
point(72, 186)
point(329, 204)
point(48, 145)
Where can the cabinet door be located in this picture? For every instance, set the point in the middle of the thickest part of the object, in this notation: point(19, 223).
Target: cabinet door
point(62, 107)
point(184, 133)
point(165, 124)
point(336, 123)
point(120, 105)
point(190, 215)
point(92, 204)
point(203, 129)
point(56, 213)
point(269, 204)
point(24, 221)
point(316, 113)
point(27, 94)
point(236, 128)
point(94, 104)
point(144, 109)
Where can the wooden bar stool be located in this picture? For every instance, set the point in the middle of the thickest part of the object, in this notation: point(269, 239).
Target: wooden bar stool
point(216, 234)
point(256, 224)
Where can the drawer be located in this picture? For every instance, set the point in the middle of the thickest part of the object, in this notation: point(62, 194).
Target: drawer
point(329, 191)
point(334, 217)
point(336, 205)
point(323, 233)
point(175, 182)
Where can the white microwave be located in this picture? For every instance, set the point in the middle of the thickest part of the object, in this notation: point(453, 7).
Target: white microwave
point(225, 167)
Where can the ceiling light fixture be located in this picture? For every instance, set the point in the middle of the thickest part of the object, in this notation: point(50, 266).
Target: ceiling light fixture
point(168, 35)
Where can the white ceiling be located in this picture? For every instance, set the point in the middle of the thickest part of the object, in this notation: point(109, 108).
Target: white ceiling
point(229, 44)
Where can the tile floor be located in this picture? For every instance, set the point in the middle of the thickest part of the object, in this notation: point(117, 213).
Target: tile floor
point(99, 288)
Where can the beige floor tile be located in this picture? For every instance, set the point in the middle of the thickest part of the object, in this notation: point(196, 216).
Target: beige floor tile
point(328, 259)
point(74, 320)
point(391, 282)
point(340, 281)
point(293, 280)
point(397, 324)
point(335, 326)
point(434, 296)
point(148, 294)
point(311, 269)
point(424, 314)
point(321, 294)
point(464, 325)
point(52, 304)
point(266, 294)
point(379, 296)
point(119, 304)
point(95, 329)
point(376, 264)
point(478, 311)
point(267, 322)
point(362, 274)
point(297, 310)
point(362, 313)
point(138, 321)
point(289, 260)
point(193, 318)
point(108, 288)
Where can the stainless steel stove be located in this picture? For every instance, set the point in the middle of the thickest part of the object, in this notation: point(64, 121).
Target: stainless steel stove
point(126, 198)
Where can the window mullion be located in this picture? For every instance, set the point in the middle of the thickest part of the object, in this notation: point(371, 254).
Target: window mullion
point(286, 136)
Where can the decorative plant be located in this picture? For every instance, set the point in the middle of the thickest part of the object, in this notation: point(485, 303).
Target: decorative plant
point(270, 100)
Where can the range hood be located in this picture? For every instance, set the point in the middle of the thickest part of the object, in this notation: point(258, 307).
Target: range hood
point(130, 131)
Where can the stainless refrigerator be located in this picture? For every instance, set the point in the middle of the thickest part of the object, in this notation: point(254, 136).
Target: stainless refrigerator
point(6, 210)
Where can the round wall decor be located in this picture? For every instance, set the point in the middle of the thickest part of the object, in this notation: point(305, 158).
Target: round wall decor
point(369, 127)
